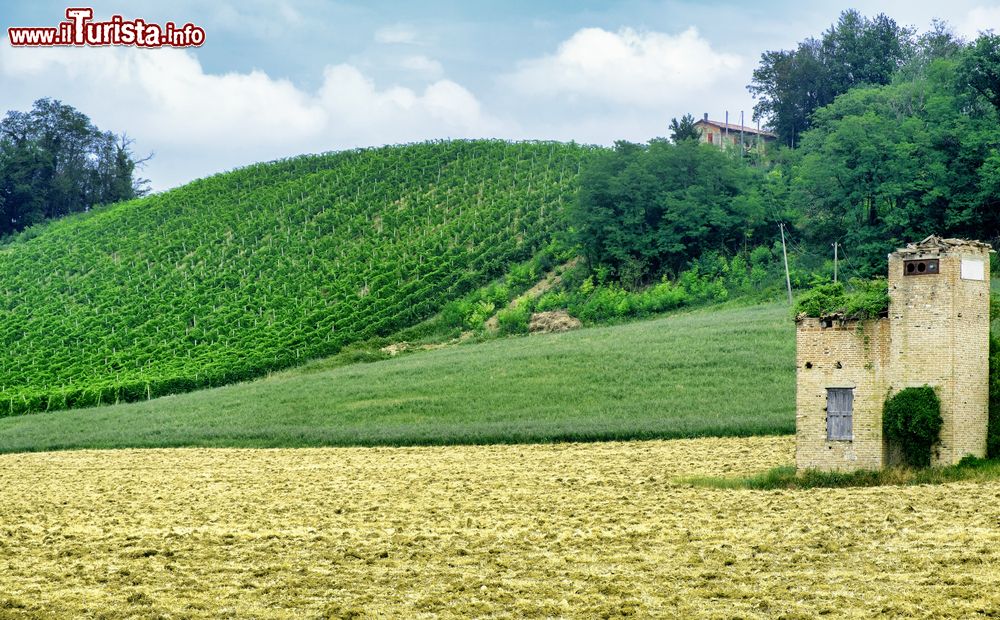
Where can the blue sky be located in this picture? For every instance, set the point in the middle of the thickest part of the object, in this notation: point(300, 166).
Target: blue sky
point(282, 77)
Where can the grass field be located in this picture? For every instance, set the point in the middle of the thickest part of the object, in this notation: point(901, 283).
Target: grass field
point(710, 372)
point(560, 530)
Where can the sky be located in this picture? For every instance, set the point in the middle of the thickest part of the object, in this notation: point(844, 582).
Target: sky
point(278, 78)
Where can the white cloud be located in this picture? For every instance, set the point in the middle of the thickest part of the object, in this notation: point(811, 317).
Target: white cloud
point(980, 19)
point(626, 85)
point(199, 123)
point(363, 114)
point(422, 65)
point(627, 67)
point(396, 34)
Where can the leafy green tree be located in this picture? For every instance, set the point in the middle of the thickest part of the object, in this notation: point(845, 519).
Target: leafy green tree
point(54, 161)
point(25, 172)
point(979, 70)
point(643, 210)
point(683, 129)
point(886, 165)
point(939, 43)
point(792, 84)
point(859, 50)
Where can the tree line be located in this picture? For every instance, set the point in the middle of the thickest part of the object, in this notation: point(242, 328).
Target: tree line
point(886, 135)
point(54, 162)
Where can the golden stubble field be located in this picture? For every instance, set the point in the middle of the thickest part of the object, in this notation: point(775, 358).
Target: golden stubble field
point(575, 530)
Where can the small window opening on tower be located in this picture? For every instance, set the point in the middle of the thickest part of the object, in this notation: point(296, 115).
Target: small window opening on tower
point(927, 266)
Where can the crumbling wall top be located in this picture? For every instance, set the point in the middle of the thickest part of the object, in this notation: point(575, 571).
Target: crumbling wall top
point(934, 245)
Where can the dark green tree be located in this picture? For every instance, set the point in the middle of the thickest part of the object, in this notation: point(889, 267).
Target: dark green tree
point(886, 165)
point(979, 70)
point(54, 161)
point(789, 86)
point(683, 129)
point(643, 210)
point(792, 84)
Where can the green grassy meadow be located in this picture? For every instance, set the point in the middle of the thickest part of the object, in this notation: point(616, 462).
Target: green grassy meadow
point(711, 372)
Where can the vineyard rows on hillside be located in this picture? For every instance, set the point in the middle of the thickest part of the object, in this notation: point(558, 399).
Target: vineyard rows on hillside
point(242, 273)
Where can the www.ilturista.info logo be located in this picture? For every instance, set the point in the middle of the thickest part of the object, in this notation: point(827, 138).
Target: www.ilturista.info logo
point(80, 29)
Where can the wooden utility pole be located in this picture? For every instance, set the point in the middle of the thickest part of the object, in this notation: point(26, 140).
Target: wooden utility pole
point(784, 253)
point(742, 143)
point(835, 244)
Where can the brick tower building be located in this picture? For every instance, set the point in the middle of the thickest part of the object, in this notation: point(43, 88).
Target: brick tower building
point(936, 333)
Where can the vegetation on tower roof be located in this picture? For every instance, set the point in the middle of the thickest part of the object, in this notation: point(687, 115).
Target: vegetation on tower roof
point(864, 299)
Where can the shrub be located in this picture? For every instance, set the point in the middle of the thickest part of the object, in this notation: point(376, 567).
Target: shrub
point(702, 286)
point(761, 256)
point(606, 302)
point(454, 313)
point(553, 300)
point(867, 299)
point(497, 294)
point(481, 311)
point(522, 276)
point(631, 273)
point(993, 432)
point(819, 299)
point(661, 297)
point(912, 420)
point(514, 320)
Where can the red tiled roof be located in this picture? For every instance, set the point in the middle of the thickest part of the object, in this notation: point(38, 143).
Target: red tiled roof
point(735, 128)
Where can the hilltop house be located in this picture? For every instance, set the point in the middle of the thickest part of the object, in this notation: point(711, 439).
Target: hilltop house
point(729, 134)
point(936, 333)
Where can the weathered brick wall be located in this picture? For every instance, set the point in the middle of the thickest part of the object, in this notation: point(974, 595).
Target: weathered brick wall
point(939, 328)
point(861, 349)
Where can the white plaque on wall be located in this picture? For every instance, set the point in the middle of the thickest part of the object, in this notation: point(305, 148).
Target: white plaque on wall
point(973, 269)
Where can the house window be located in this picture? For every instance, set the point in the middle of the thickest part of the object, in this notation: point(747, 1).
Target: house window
point(711, 137)
point(839, 414)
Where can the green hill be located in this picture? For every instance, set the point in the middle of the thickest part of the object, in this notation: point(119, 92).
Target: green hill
point(258, 269)
point(709, 372)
